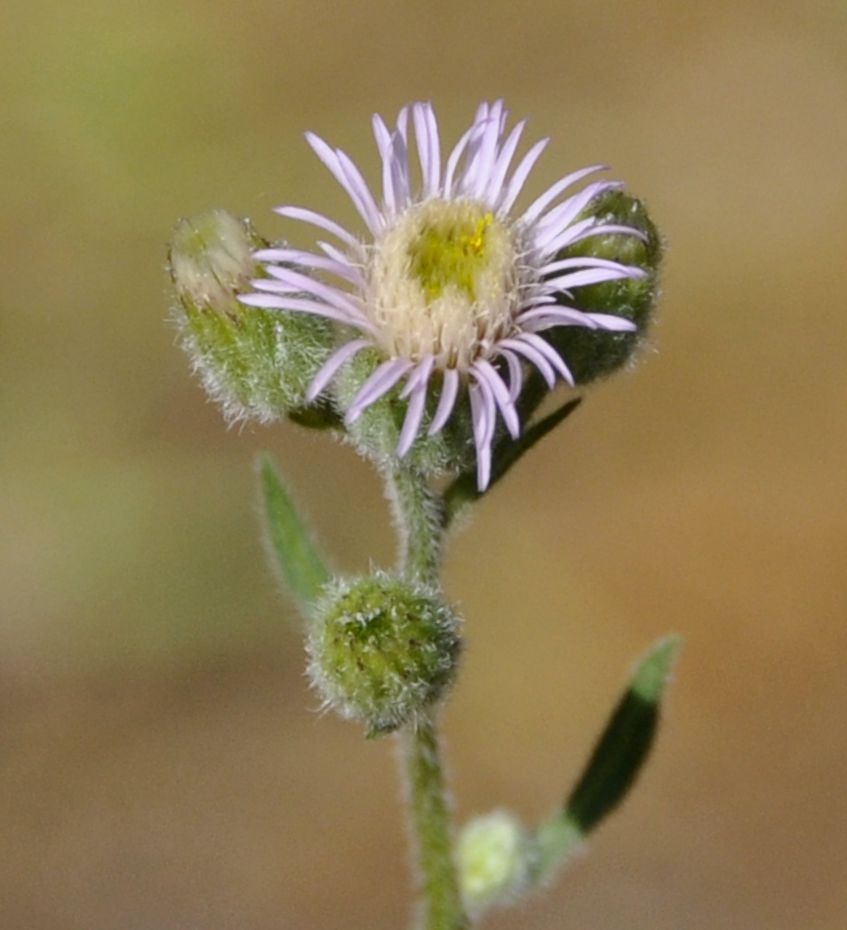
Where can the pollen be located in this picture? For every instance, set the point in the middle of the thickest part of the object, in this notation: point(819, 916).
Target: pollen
point(444, 281)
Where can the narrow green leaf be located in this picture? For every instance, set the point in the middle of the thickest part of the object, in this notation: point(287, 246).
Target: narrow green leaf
point(299, 562)
point(616, 761)
point(626, 741)
point(507, 452)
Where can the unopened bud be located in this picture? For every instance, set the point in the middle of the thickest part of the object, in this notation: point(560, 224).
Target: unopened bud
point(381, 650)
point(495, 859)
point(255, 363)
point(592, 354)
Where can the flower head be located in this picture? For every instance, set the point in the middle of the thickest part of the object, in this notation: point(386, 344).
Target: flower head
point(452, 287)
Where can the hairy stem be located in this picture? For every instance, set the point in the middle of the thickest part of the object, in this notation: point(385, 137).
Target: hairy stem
point(418, 515)
point(419, 521)
point(431, 823)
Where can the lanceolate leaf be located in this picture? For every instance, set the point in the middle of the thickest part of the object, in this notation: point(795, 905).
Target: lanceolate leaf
point(625, 743)
point(616, 761)
point(296, 556)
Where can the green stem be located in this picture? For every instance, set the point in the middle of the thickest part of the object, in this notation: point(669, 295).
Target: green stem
point(431, 822)
point(418, 515)
point(556, 841)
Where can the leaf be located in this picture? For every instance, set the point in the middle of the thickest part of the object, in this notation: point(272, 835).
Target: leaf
point(616, 761)
point(507, 452)
point(300, 564)
point(626, 741)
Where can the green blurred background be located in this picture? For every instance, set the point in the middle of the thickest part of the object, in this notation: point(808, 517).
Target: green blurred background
point(162, 766)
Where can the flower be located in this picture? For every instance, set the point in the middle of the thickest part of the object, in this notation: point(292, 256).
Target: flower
point(452, 285)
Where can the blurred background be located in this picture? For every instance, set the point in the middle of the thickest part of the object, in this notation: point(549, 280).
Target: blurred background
point(162, 764)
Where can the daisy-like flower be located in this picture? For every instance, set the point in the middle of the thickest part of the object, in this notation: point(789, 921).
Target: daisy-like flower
point(452, 286)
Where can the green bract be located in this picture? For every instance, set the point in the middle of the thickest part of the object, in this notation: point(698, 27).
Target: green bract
point(376, 432)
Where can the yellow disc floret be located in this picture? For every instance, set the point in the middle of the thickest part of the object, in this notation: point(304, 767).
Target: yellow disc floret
point(443, 281)
point(448, 254)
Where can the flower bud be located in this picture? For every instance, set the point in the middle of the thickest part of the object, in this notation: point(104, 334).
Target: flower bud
point(255, 363)
point(593, 354)
point(495, 860)
point(381, 650)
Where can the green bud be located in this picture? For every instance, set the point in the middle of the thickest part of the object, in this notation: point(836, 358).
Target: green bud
point(381, 649)
point(592, 354)
point(255, 363)
point(495, 857)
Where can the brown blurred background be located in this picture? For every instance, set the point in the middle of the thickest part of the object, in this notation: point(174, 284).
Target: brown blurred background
point(162, 766)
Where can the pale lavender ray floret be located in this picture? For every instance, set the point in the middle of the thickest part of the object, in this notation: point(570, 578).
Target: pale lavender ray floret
point(452, 285)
